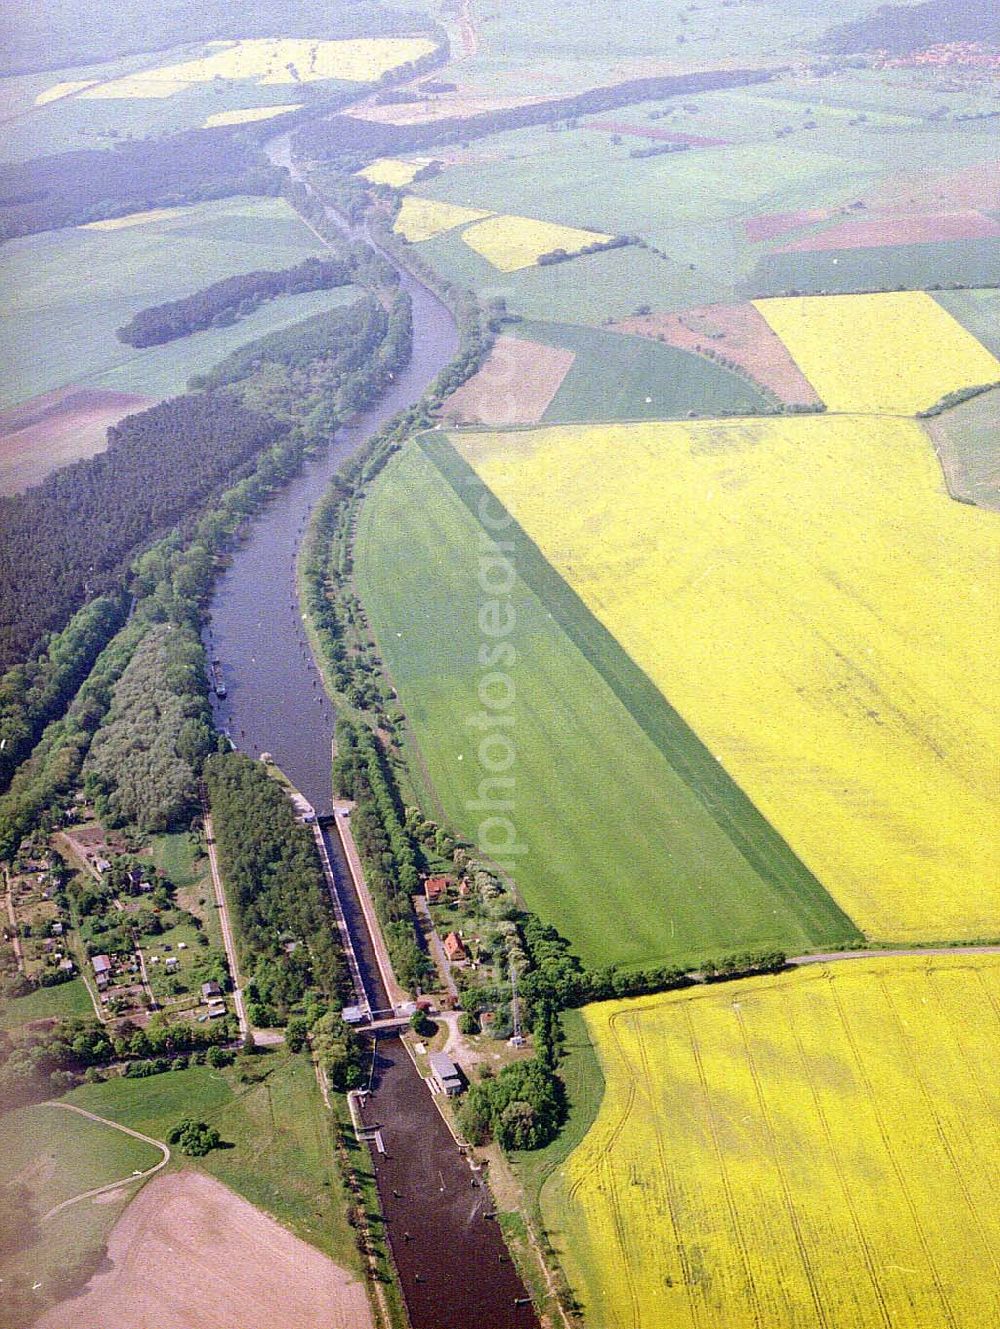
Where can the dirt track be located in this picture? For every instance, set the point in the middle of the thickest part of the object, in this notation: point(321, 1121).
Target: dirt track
point(189, 1254)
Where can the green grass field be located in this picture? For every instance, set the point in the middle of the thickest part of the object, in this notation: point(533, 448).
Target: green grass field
point(618, 377)
point(59, 331)
point(46, 1003)
point(639, 848)
point(281, 1156)
point(965, 438)
point(884, 268)
point(979, 311)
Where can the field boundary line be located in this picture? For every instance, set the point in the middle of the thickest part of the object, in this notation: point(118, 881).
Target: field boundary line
point(844, 1186)
point(754, 1297)
point(890, 1154)
point(939, 1129)
point(793, 1215)
point(738, 819)
point(111, 1185)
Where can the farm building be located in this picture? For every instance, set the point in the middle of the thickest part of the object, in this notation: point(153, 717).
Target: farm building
point(445, 1075)
point(216, 1009)
point(454, 949)
point(437, 888)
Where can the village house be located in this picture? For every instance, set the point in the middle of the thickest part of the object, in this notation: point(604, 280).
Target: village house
point(102, 969)
point(454, 949)
point(437, 888)
point(210, 991)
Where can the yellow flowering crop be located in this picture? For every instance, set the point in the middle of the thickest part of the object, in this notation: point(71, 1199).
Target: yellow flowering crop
point(249, 115)
point(822, 615)
point(815, 1149)
point(422, 218)
point(510, 242)
point(392, 171)
point(275, 60)
point(897, 353)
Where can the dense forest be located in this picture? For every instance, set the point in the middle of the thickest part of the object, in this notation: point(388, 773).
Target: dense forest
point(900, 29)
point(144, 760)
point(276, 888)
point(33, 693)
point(55, 34)
point(76, 187)
point(350, 142)
point(68, 537)
point(227, 301)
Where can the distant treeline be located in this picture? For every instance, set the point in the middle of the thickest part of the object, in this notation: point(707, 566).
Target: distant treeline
point(284, 924)
point(233, 298)
point(55, 34)
point(77, 187)
point(350, 141)
point(900, 29)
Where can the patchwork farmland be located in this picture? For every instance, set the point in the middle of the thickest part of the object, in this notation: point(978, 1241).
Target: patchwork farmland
point(817, 608)
point(812, 1149)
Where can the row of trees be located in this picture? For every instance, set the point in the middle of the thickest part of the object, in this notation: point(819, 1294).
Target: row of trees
point(350, 141)
point(224, 302)
point(276, 888)
point(35, 692)
point(360, 772)
point(39, 1060)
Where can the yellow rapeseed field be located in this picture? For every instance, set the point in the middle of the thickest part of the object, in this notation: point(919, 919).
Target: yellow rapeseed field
point(897, 352)
point(422, 218)
point(822, 615)
point(133, 219)
point(274, 60)
point(510, 243)
point(60, 90)
point(248, 115)
point(393, 171)
point(817, 1150)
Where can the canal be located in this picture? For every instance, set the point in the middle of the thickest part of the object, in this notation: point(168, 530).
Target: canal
point(453, 1264)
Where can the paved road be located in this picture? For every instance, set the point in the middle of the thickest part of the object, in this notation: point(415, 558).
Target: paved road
point(111, 1185)
point(227, 931)
point(833, 956)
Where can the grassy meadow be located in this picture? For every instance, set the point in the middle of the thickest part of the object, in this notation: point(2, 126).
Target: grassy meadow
point(813, 1148)
point(615, 799)
point(60, 1002)
point(129, 268)
point(819, 611)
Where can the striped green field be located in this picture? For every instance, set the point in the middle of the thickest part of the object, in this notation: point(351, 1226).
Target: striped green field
point(629, 837)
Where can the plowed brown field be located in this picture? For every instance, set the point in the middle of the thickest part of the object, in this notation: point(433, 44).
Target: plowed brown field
point(190, 1254)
